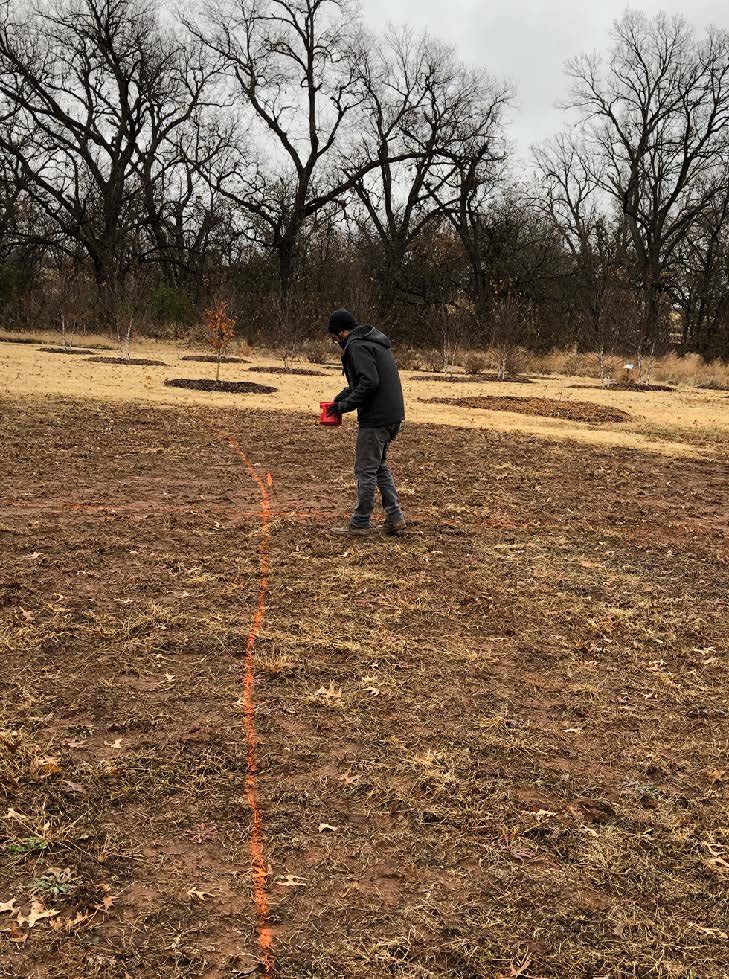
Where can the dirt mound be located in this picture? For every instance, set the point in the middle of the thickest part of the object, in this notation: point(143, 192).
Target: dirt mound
point(473, 378)
point(214, 360)
point(232, 387)
point(638, 388)
point(67, 350)
point(576, 411)
point(300, 371)
point(132, 362)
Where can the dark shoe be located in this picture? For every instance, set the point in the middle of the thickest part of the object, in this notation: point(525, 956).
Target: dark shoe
point(350, 531)
point(393, 526)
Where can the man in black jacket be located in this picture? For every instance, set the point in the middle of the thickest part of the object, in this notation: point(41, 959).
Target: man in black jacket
point(374, 391)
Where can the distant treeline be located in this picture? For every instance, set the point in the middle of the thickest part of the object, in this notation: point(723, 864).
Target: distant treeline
point(274, 154)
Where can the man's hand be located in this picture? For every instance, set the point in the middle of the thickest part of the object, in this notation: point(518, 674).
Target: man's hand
point(333, 410)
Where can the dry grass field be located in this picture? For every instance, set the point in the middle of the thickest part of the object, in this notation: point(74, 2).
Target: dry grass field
point(494, 747)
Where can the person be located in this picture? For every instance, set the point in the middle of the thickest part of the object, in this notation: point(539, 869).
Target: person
point(375, 392)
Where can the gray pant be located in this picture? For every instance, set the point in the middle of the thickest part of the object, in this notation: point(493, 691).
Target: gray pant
point(371, 470)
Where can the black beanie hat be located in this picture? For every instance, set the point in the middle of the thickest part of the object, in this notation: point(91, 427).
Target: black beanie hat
point(341, 319)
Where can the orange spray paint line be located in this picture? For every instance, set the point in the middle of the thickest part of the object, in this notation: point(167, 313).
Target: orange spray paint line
point(256, 842)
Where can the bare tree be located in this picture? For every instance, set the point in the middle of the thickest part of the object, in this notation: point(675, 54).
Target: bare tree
point(569, 192)
point(301, 67)
point(657, 121)
point(474, 161)
point(700, 285)
point(93, 88)
point(416, 101)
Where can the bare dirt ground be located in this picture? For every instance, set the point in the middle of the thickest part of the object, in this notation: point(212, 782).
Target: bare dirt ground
point(686, 422)
point(494, 747)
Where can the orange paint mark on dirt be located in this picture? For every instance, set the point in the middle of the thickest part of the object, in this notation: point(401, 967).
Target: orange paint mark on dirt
point(256, 842)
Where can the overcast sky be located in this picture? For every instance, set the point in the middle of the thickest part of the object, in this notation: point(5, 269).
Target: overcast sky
point(528, 41)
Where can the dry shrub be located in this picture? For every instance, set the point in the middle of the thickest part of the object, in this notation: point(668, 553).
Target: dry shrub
point(409, 359)
point(671, 368)
point(689, 369)
point(320, 352)
point(509, 361)
point(433, 359)
point(475, 363)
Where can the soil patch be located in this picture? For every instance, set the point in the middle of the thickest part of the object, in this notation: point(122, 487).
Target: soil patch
point(576, 411)
point(132, 362)
point(231, 387)
point(300, 371)
point(638, 388)
point(472, 378)
point(214, 360)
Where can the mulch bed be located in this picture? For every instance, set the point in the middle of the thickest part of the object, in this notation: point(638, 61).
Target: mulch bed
point(577, 411)
point(214, 360)
point(132, 362)
point(473, 378)
point(231, 387)
point(637, 388)
point(300, 371)
point(66, 350)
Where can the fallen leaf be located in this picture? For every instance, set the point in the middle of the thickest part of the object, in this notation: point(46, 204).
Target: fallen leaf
point(78, 919)
point(73, 786)
point(106, 901)
point(37, 913)
point(290, 881)
point(199, 895)
point(331, 692)
point(28, 616)
point(515, 970)
point(45, 767)
point(114, 744)
point(327, 828)
point(8, 906)
point(13, 935)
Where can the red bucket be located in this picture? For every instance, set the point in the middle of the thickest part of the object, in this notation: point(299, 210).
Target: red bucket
point(328, 419)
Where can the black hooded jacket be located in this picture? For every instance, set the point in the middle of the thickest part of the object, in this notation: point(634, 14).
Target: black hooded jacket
point(373, 382)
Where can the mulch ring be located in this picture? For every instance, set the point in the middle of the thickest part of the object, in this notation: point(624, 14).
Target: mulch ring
point(301, 371)
point(473, 378)
point(214, 360)
point(232, 387)
point(622, 386)
point(131, 362)
point(576, 411)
